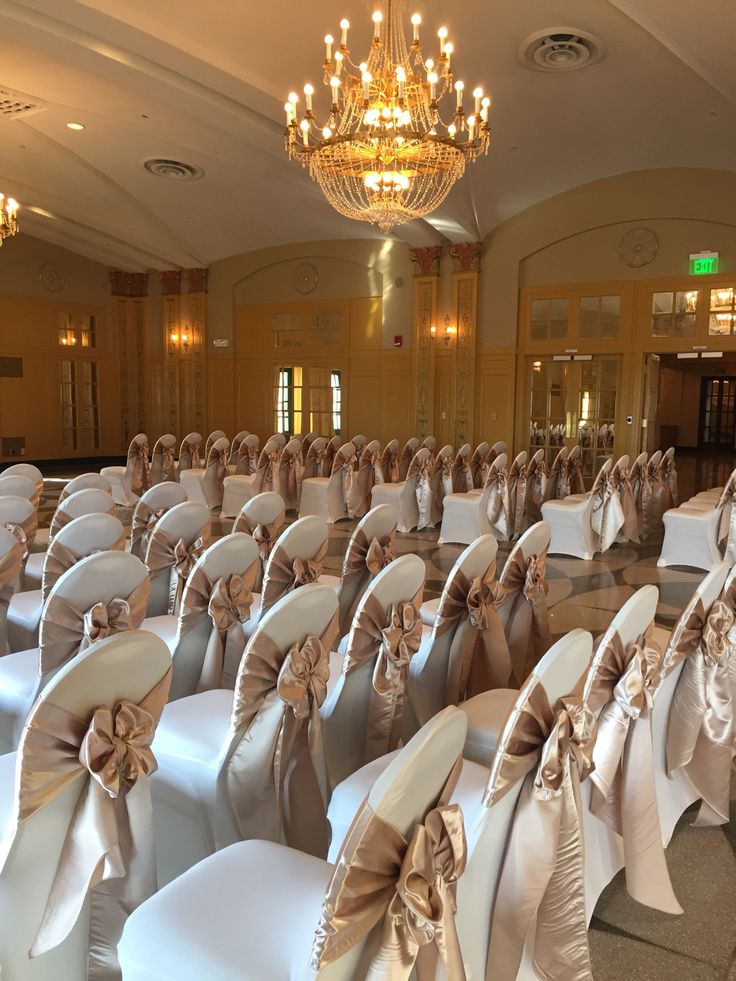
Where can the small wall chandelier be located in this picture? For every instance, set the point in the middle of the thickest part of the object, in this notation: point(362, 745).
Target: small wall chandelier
point(384, 154)
point(8, 218)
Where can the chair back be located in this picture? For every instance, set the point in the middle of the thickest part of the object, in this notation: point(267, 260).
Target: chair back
point(370, 548)
point(137, 477)
point(163, 460)
point(235, 446)
point(462, 476)
point(290, 474)
point(479, 464)
point(213, 438)
point(428, 670)
point(125, 667)
point(329, 455)
point(638, 465)
point(304, 540)
point(314, 457)
point(359, 442)
point(707, 592)
point(347, 708)
point(309, 438)
point(216, 471)
point(185, 523)
point(495, 499)
point(190, 452)
point(390, 462)
point(342, 483)
point(407, 455)
point(19, 485)
point(402, 796)
point(19, 515)
point(497, 449)
point(81, 537)
point(27, 470)
point(247, 457)
point(151, 506)
point(85, 481)
point(440, 481)
point(263, 509)
point(11, 562)
point(266, 475)
point(524, 613)
point(91, 501)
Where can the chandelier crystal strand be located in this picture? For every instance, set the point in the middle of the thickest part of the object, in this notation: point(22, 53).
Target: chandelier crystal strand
point(384, 154)
point(8, 217)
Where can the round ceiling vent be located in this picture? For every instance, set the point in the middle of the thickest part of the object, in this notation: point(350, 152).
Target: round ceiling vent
point(172, 170)
point(560, 50)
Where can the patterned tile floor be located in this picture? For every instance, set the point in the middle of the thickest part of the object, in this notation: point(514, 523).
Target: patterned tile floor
point(627, 941)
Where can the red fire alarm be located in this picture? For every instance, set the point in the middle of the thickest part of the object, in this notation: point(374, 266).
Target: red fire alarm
point(398, 340)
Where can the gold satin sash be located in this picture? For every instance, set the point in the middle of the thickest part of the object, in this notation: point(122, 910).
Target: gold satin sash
point(390, 466)
point(276, 777)
point(621, 684)
point(176, 558)
point(363, 561)
point(291, 471)
point(392, 638)
point(140, 478)
point(653, 499)
point(408, 887)
point(527, 628)
point(66, 630)
point(542, 881)
point(284, 574)
point(700, 730)
point(227, 601)
point(264, 535)
point(603, 518)
point(10, 568)
point(630, 527)
point(141, 527)
point(24, 531)
point(498, 510)
point(59, 559)
point(108, 850)
point(518, 477)
point(422, 492)
point(726, 500)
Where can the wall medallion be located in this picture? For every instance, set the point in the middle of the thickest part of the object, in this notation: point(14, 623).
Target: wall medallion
point(51, 277)
point(306, 278)
point(638, 247)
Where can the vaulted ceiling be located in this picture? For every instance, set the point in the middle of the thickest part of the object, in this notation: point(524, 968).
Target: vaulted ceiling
point(205, 83)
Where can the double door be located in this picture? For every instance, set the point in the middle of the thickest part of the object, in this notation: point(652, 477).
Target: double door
point(573, 403)
point(717, 413)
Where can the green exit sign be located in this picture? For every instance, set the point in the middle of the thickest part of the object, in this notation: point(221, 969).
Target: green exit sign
point(703, 263)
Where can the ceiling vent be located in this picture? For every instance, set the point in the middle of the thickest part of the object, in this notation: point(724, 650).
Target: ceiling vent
point(173, 170)
point(560, 50)
point(15, 105)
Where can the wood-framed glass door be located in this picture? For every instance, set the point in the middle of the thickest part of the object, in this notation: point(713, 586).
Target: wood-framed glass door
point(717, 413)
point(573, 402)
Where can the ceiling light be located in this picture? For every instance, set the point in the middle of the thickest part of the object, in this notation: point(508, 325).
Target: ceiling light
point(75, 126)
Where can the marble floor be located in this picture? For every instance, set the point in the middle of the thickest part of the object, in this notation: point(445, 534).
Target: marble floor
point(627, 941)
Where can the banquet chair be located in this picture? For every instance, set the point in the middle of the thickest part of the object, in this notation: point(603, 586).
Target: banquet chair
point(91, 501)
point(362, 721)
point(328, 458)
point(571, 519)
point(430, 442)
point(552, 483)
point(517, 484)
point(527, 485)
point(205, 486)
point(370, 549)
point(235, 449)
point(214, 437)
point(163, 460)
point(440, 482)
point(675, 790)
point(178, 539)
point(19, 486)
point(468, 514)
point(408, 453)
point(497, 449)
point(655, 496)
point(216, 601)
point(208, 923)
point(18, 515)
point(249, 479)
point(410, 498)
point(479, 464)
point(246, 459)
point(327, 497)
point(85, 481)
point(669, 477)
point(359, 442)
point(189, 453)
point(153, 504)
point(570, 480)
point(487, 800)
point(31, 472)
point(81, 537)
point(390, 462)
point(11, 563)
point(100, 594)
point(216, 782)
point(288, 481)
point(368, 475)
point(38, 881)
point(314, 457)
point(462, 476)
point(693, 531)
point(309, 438)
point(262, 517)
point(132, 480)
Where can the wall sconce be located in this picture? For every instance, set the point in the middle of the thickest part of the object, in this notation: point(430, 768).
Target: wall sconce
point(450, 331)
point(67, 337)
point(180, 339)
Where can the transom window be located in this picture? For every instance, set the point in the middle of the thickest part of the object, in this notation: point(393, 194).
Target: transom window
point(600, 316)
point(722, 314)
point(549, 319)
point(673, 313)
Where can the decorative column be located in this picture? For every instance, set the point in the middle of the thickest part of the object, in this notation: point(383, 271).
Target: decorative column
point(426, 280)
point(129, 315)
point(465, 309)
point(171, 292)
point(195, 315)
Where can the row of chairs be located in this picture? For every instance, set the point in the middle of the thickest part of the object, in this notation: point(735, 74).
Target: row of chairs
point(701, 532)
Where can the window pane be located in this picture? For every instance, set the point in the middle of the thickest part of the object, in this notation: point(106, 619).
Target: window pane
point(722, 315)
point(673, 314)
point(548, 319)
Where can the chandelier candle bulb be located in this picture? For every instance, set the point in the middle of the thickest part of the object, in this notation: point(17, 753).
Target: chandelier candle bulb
point(449, 48)
point(367, 79)
point(344, 27)
point(442, 35)
point(401, 79)
point(329, 39)
point(308, 93)
point(459, 87)
point(477, 95)
point(338, 61)
point(432, 79)
point(335, 84)
point(305, 131)
point(377, 18)
point(416, 20)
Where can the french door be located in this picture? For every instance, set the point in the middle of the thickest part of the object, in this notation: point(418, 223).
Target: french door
point(717, 413)
point(573, 402)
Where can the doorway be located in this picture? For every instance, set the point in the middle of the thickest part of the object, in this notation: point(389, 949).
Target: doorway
point(717, 413)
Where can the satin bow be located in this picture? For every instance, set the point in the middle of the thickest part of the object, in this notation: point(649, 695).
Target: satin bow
point(104, 619)
point(701, 722)
point(116, 748)
point(543, 885)
point(20, 536)
point(168, 463)
point(185, 557)
point(622, 683)
point(306, 571)
point(140, 479)
point(726, 500)
point(363, 560)
point(527, 626)
point(380, 554)
point(498, 509)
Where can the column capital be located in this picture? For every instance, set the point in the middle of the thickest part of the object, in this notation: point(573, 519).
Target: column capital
point(197, 280)
point(128, 284)
point(467, 256)
point(170, 281)
point(427, 260)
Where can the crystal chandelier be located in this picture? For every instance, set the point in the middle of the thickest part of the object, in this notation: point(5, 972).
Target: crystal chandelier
point(385, 155)
point(8, 217)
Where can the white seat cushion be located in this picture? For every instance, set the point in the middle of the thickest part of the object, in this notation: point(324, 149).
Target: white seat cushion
point(195, 728)
point(25, 609)
point(487, 714)
point(428, 611)
point(164, 627)
point(248, 911)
